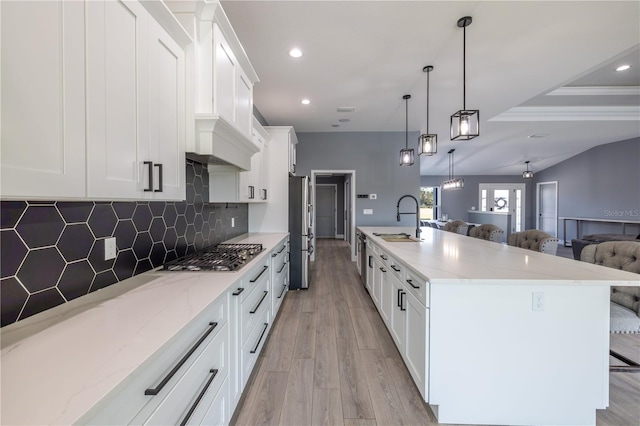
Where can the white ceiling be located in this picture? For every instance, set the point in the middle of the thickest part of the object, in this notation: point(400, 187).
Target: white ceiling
point(528, 63)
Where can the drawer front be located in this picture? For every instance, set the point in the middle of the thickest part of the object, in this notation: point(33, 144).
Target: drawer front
point(252, 347)
point(396, 268)
point(252, 278)
point(251, 308)
point(127, 402)
point(194, 392)
point(280, 286)
point(417, 286)
point(219, 412)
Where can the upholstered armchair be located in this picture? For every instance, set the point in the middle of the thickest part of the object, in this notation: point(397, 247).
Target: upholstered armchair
point(457, 226)
point(625, 301)
point(534, 239)
point(487, 232)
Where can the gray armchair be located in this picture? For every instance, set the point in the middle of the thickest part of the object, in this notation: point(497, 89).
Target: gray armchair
point(487, 232)
point(534, 239)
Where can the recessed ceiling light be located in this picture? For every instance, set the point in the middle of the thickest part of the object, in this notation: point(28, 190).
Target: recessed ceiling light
point(335, 125)
point(305, 102)
point(538, 136)
point(295, 52)
point(344, 120)
point(623, 67)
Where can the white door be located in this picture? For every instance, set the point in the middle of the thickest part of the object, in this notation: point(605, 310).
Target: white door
point(547, 207)
point(325, 211)
point(117, 96)
point(504, 198)
point(43, 99)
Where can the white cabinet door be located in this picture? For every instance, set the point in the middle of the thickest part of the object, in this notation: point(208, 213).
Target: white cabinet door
point(243, 102)
point(398, 314)
point(292, 155)
point(224, 74)
point(386, 296)
point(416, 345)
point(166, 113)
point(43, 99)
point(117, 90)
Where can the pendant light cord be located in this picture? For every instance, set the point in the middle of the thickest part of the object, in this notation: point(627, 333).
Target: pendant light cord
point(406, 124)
point(428, 102)
point(464, 67)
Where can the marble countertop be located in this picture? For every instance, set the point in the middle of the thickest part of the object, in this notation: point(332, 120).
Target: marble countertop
point(448, 258)
point(58, 364)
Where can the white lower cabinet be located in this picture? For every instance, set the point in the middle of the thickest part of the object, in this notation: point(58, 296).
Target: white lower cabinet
point(416, 345)
point(279, 275)
point(398, 328)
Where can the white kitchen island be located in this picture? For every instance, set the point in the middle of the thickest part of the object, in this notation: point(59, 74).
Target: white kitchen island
point(512, 336)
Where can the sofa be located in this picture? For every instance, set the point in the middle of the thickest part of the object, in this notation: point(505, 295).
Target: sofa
point(534, 239)
point(487, 232)
point(625, 301)
point(578, 244)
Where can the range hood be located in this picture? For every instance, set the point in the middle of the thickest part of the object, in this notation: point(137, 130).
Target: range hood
point(219, 142)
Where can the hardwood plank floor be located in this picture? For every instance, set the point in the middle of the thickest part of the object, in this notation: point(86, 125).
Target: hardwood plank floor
point(330, 360)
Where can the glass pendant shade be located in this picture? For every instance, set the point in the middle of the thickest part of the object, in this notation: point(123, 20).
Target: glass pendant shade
point(427, 144)
point(527, 174)
point(465, 125)
point(452, 182)
point(406, 157)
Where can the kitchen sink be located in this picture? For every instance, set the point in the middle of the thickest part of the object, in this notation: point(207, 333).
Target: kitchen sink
point(398, 238)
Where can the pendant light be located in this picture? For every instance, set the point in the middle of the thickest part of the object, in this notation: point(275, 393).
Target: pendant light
point(406, 154)
point(452, 182)
point(527, 174)
point(427, 143)
point(465, 124)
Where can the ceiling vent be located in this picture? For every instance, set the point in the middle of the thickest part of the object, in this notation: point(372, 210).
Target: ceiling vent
point(346, 109)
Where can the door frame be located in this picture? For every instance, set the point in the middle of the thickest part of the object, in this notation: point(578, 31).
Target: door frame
point(335, 207)
point(511, 187)
point(352, 226)
point(555, 213)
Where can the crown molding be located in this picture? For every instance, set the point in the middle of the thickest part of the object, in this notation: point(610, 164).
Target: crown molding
point(571, 113)
point(596, 91)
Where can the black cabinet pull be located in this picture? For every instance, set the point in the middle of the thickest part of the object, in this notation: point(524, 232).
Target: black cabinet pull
point(150, 187)
point(370, 265)
point(399, 295)
point(264, 268)
point(395, 268)
point(383, 257)
point(255, 309)
point(382, 269)
point(160, 186)
point(238, 291)
point(214, 373)
point(402, 293)
point(274, 254)
point(174, 370)
point(283, 265)
point(253, 351)
point(412, 284)
point(284, 288)
point(283, 247)
point(264, 194)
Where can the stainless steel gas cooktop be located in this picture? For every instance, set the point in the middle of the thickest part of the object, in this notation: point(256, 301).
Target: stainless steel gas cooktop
point(222, 257)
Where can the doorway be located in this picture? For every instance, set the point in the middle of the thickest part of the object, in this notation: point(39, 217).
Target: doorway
point(547, 207)
point(344, 207)
point(506, 198)
point(326, 210)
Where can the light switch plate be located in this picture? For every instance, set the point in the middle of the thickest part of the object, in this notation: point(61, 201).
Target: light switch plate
point(110, 248)
point(233, 222)
point(367, 211)
point(373, 196)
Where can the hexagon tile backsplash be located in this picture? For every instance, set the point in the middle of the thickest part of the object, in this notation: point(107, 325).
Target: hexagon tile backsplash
point(52, 252)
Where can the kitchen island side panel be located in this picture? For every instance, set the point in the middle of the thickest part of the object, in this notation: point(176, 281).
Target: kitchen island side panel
point(495, 360)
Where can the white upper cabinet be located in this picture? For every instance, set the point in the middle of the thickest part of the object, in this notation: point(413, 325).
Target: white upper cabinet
point(43, 99)
point(135, 105)
point(93, 101)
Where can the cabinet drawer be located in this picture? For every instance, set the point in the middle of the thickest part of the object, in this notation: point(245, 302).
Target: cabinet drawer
point(192, 395)
point(254, 277)
point(396, 268)
point(252, 347)
point(219, 412)
point(128, 400)
point(417, 286)
point(252, 307)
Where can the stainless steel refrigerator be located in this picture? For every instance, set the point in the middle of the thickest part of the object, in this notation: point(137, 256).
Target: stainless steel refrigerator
point(300, 235)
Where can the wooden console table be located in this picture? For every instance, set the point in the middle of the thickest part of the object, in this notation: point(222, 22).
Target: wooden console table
point(578, 220)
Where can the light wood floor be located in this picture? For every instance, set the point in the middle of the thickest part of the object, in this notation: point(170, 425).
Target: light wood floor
point(330, 360)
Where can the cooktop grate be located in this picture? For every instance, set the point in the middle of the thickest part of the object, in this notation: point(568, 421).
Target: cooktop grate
point(222, 257)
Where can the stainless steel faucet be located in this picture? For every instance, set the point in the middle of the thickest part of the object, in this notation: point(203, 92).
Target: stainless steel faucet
point(417, 213)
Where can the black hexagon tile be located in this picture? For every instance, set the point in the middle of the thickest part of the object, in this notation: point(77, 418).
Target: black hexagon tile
point(76, 280)
point(170, 238)
point(102, 280)
point(12, 298)
point(75, 212)
point(170, 215)
point(96, 257)
point(10, 212)
point(191, 173)
point(41, 269)
point(157, 254)
point(157, 208)
point(125, 234)
point(40, 226)
point(142, 245)
point(142, 217)
point(42, 301)
point(124, 210)
point(181, 226)
point(143, 265)
point(157, 229)
point(125, 264)
point(102, 220)
point(13, 251)
point(191, 192)
point(181, 246)
point(75, 242)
